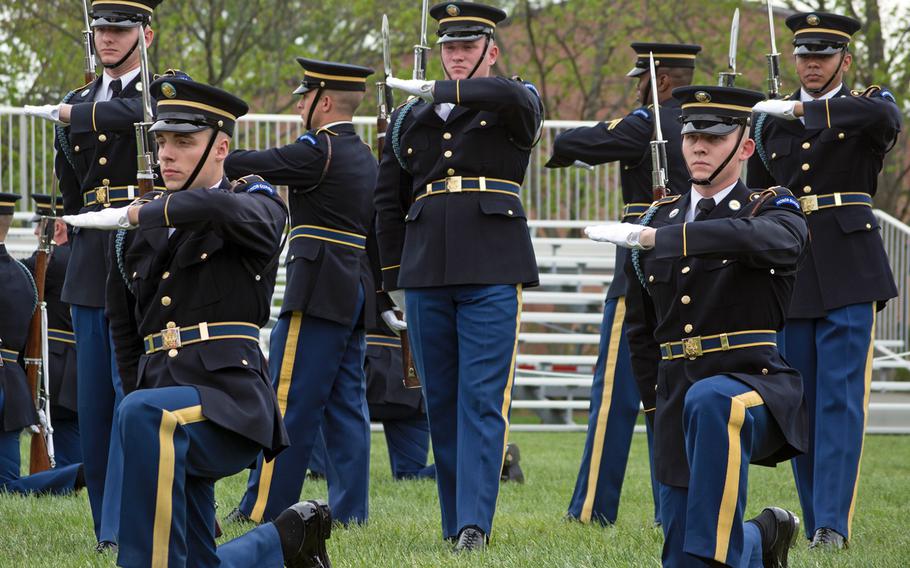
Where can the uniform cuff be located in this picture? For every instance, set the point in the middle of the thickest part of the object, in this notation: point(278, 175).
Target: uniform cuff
point(154, 215)
point(817, 114)
point(447, 92)
point(390, 277)
point(670, 242)
point(82, 118)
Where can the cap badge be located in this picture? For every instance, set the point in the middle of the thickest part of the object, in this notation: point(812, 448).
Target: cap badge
point(702, 97)
point(812, 20)
point(168, 90)
point(452, 10)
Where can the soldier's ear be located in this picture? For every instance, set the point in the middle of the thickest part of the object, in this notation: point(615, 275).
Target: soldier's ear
point(493, 53)
point(848, 60)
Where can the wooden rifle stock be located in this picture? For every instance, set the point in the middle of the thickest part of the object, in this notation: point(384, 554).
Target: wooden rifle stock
point(410, 379)
point(39, 459)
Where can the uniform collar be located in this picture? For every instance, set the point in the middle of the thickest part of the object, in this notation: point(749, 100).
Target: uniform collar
point(806, 97)
point(337, 127)
point(125, 80)
point(695, 197)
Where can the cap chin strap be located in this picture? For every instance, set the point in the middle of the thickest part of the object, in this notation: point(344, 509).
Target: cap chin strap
point(201, 162)
point(843, 55)
point(309, 115)
point(720, 168)
point(125, 57)
point(486, 47)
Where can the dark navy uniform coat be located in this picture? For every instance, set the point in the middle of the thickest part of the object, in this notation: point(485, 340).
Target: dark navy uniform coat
point(97, 148)
point(840, 149)
point(458, 238)
point(62, 352)
point(323, 276)
point(628, 141)
point(218, 266)
point(733, 271)
point(17, 303)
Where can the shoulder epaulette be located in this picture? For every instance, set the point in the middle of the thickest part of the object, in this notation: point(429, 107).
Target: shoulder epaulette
point(327, 131)
point(84, 86)
point(665, 200)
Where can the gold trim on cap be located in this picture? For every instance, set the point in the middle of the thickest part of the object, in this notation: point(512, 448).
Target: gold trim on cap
point(308, 73)
point(201, 106)
point(490, 23)
point(123, 3)
point(823, 31)
point(718, 105)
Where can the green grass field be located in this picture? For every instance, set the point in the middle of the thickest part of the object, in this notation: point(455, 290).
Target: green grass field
point(529, 530)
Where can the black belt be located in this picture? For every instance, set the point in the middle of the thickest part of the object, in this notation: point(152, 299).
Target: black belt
point(8, 356)
point(458, 184)
point(330, 235)
point(174, 337)
point(105, 194)
point(634, 210)
point(811, 203)
point(692, 347)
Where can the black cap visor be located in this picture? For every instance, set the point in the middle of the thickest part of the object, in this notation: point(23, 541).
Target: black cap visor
point(177, 125)
point(713, 125)
point(809, 47)
point(115, 20)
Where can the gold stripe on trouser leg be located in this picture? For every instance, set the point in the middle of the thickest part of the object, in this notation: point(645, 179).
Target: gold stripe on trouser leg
point(161, 532)
point(507, 392)
point(606, 398)
point(868, 388)
point(284, 386)
point(738, 406)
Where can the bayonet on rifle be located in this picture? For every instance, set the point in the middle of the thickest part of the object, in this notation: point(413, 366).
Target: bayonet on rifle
point(145, 150)
point(773, 60)
point(421, 49)
point(658, 144)
point(88, 41)
point(728, 77)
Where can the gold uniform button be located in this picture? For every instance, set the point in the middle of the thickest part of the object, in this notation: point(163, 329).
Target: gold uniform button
point(410, 151)
point(166, 301)
point(105, 181)
point(451, 171)
point(135, 274)
point(651, 278)
point(102, 138)
point(204, 255)
point(447, 154)
point(841, 136)
point(772, 272)
point(764, 371)
point(166, 275)
point(806, 145)
point(868, 225)
point(170, 324)
point(102, 160)
point(483, 122)
point(510, 212)
point(806, 167)
point(447, 135)
point(773, 155)
point(686, 270)
point(244, 361)
point(76, 148)
point(172, 353)
point(807, 189)
point(685, 299)
point(688, 328)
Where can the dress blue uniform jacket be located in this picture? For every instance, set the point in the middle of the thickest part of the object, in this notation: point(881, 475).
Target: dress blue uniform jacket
point(628, 141)
point(61, 345)
point(17, 303)
point(732, 272)
point(98, 148)
point(840, 149)
point(470, 237)
point(192, 277)
point(331, 189)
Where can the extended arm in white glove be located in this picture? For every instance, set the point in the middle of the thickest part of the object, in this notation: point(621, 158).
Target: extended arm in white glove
point(110, 219)
point(422, 89)
point(788, 110)
point(47, 112)
point(626, 235)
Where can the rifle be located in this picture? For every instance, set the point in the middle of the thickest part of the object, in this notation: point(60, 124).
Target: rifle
point(88, 41)
point(659, 165)
point(728, 78)
point(145, 175)
point(386, 101)
point(421, 49)
point(773, 60)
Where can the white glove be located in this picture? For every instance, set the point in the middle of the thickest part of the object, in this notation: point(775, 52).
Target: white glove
point(778, 108)
point(47, 112)
point(422, 89)
point(620, 234)
point(110, 219)
point(393, 322)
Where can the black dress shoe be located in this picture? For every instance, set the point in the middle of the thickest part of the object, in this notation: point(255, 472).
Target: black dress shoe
point(303, 529)
point(237, 516)
point(470, 538)
point(779, 529)
point(511, 470)
point(828, 539)
point(106, 547)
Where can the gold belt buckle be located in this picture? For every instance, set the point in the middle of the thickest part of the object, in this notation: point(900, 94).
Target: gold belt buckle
point(692, 347)
point(808, 203)
point(102, 195)
point(170, 338)
point(453, 184)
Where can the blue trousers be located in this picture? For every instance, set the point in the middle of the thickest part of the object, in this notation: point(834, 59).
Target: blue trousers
point(615, 403)
point(172, 457)
point(317, 370)
point(834, 356)
point(57, 481)
point(99, 393)
point(67, 445)
point(726, 426)
point(464, 340)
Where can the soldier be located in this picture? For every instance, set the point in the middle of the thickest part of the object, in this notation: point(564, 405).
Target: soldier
point(62, 343)
point(453, 234)
point(828, 144)
point(716, 269)
point(316, 348)
point(199, 406)
point(614, 394)
point(18, 301)
point(96, 166)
